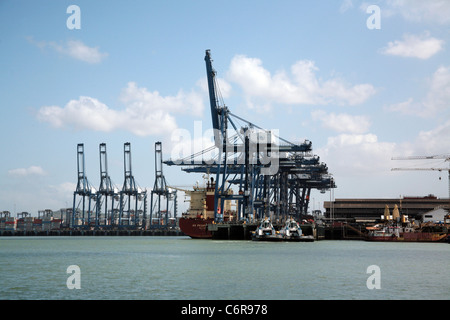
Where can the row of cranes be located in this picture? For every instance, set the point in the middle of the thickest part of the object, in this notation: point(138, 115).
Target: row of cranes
point(109, 207)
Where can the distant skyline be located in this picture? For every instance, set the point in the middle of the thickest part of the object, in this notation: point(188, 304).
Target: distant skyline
point(365, 81)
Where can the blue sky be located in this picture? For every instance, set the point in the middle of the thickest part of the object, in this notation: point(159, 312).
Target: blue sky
point(134, 72)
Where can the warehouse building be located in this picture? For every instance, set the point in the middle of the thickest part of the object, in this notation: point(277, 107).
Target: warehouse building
point(371, 210)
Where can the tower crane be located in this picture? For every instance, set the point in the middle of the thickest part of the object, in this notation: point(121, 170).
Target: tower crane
point(445, 157)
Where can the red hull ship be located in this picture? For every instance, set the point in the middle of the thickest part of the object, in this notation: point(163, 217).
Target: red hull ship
point(196, 228)
point(195, 222)
point(409, 237)
point(404, 231)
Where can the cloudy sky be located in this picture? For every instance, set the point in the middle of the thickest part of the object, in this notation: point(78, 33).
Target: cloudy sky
point(365, 81)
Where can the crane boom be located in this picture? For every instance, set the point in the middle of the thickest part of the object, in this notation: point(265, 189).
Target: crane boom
point(446, 157)
point(211, 73)
point(420, 169)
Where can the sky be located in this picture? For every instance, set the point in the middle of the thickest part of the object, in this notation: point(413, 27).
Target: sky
point(364, 81)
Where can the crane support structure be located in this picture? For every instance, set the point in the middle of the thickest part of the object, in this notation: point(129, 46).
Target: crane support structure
point(107, 209)
point(84, 197)
point(133, 200)
point(163, 203)
point(274, 176)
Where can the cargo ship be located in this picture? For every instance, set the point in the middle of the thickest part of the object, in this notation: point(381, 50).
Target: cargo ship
point(194, 223)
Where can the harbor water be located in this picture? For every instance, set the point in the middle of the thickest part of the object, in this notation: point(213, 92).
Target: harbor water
point(180, 268)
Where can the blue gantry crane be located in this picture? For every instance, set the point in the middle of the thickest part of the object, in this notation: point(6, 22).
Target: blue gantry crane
point(274, 176)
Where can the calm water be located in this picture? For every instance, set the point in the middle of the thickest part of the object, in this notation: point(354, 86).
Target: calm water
point(172, 268)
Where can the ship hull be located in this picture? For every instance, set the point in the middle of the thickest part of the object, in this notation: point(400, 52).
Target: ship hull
point(410, 237)
point(196, 228)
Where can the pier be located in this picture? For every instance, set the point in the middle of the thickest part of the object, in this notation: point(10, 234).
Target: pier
point(243, 231)
point(33, 233)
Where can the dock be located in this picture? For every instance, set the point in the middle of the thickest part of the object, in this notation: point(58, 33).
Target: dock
point(243, 231)
point(34, 233)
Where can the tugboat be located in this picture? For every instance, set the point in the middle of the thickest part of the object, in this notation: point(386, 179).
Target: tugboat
point(292, 232)
point(266, 232)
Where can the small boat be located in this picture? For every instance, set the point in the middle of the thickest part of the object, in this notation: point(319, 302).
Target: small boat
point(266, 232)
point(292, 232)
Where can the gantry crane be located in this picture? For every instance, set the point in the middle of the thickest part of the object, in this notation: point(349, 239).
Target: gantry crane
point(107, 195)
point(162, 197)
point(131, 215)
point(84, 197)
point(272, 174)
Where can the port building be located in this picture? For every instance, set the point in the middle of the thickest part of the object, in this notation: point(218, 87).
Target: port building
point(371, 210)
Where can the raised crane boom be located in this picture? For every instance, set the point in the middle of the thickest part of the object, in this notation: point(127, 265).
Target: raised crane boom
point(211, 74)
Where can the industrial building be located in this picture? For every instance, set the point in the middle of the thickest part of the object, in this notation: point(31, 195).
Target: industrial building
point(371, 210)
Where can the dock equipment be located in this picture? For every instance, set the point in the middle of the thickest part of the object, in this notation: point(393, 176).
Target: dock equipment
point(133, 200)
point(108, 196)
point(445, 157)
point(107, 208)
point(84, 197)
point(163, 203)
point(274, 176)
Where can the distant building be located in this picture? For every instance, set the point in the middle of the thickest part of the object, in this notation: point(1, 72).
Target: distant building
point(373, 209)
point(435, 216)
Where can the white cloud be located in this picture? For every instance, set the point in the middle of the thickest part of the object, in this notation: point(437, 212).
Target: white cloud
point(431, 11)
point(22, 172)
point(301, 87)
point(345, 5)
point(422, 46)
point(436, 100)
point(75, 49)
point(342, 122)
point(143, 101)
point(363, 155)
point(357, 154)
point(145, 112)
point(438, 95)
point(80, 51)
point(434, 141)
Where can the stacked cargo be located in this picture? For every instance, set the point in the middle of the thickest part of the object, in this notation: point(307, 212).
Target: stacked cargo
point(10, 224)
point(20, 224)
point(55, 224)
point(37, 224)
point(28, 223)
point(47, 223)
